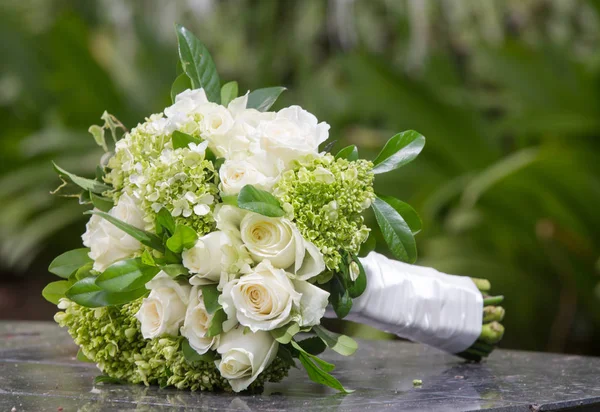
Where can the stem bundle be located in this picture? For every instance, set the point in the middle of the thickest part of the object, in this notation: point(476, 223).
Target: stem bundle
point(491, 330)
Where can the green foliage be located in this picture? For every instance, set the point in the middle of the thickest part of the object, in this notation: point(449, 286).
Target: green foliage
point(395, 231)
point(348, 153)
point(342, 344)
point(67, 263)
point(216, 323)
point(229, 91)
point(183, 238)
point(181, 84)
point(210, 297)
point(181, 139)
point(198, 64)
point(126, 275)
point(400, 150)
point(263, 99)
point(86, 292)
point(259, 201)
point(318, 370)
point(55, 290)
point(405, 210)
point(285, 334)
point(86, 184)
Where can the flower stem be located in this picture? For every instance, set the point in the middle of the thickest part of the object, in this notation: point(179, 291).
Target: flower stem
point(491, 333)
point(483, 285)
point(493, 313)
point(493, 300)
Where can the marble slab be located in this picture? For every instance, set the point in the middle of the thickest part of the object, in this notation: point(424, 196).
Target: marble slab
point(39, 372)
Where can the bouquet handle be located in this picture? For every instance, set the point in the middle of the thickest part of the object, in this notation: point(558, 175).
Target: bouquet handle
point(419, 303)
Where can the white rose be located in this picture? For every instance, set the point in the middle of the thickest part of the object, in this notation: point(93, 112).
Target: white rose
point(212, 254)
point(267, 299)
point(245, 356)
point(109, 244)
point(196, 324)
point(261, 300)
point(163, 311)
point(235, 174)
point(216, 119)
point(186, 102)
point(293, 134)
point(313, 303)
point(280, 241)
point(235, 144)
point(204, 258)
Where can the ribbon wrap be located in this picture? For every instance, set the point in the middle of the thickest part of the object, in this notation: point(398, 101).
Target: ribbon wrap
point(419, 303)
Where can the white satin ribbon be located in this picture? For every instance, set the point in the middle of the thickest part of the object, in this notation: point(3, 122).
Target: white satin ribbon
point(419, 303)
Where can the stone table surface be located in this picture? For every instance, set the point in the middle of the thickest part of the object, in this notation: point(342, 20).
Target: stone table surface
point(39, 372)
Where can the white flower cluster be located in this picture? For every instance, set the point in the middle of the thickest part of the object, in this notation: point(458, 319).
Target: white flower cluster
point(262, 266)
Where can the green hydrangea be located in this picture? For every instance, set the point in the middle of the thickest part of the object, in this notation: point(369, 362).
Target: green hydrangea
point(327, 197)
point(111, 338)
point(181, 180)
point(145, 141)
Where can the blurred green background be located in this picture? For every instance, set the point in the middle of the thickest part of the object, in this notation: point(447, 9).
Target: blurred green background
point(507, 93)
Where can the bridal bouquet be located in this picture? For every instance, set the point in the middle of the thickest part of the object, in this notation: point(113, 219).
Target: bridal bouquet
point(219, 230)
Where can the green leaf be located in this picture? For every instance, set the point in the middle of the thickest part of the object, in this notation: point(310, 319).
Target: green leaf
point(340, 298)
point(229, 91)
point(181, 140)
point(181, 84)
point(263, 99)
point(85, 271)
point(108, 379)
point(112, 123)
point(147, 258)
point(184, 237)
point(318, 369)
point(55, 290)
point(98, 133)
point(171, 257)
point(313, 345)
point(210, 296)
point(348, 153)
point(356, 288)
point(198, 64)
point(216, 324)
point(409, 214)
point(369, 245)
point(126, 275)
point(400, 150)
point(396, 232)
point(100, 173)
point(146, 238)
point(259, 201)
point(230, 200)
point(165, 220)
point(67, 263)
point(86, 293)
point(342, 344)
point(320, 376)
point(86, 184)
point(82, 358)
point(175, 269)
point(191, 355)
point(326, 366)
point(285, 333)
point(101, 202)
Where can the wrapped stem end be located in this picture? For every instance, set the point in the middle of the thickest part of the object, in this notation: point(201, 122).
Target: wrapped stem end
point(492, 330)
